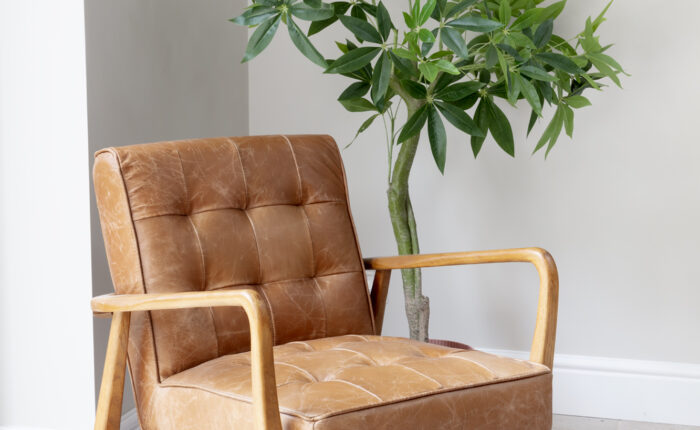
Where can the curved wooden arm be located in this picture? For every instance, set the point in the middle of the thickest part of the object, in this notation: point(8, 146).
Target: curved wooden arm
point(262, 362)
point(542, 350)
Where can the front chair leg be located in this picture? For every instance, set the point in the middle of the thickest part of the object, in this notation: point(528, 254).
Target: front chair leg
point(109, 404)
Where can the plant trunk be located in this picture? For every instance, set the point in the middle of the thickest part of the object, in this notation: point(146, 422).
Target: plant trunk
point(404, 224)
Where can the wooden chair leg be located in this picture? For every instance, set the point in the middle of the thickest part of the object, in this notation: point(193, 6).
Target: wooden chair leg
point(380, 289)
point(109, 404)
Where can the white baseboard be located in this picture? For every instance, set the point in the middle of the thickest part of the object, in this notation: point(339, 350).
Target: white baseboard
point(623, 389)
point(130, 421)
point(614, 388)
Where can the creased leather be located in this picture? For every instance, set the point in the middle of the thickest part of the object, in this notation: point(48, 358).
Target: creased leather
point(271, 213)
point(352, 382)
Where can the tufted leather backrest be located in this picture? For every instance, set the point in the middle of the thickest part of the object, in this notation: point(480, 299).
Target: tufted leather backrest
point(267, 212)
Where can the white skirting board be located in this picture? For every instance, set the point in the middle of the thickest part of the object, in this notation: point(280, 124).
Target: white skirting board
point(622, 389)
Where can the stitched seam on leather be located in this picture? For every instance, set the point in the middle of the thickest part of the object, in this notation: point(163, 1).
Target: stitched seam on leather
point(359, 388)
point(370, 315)
point(320, 417)
point(257, 246)
point(311, 348)
point(283, 280)
point(421, 395)
point(296, 166)
point(240, 162)
point(317, 288)
point(236, 209)
point(304, 371)
point(454, 355)
point(138, 251)
point(419, 373)
point(201, 248)
point(362, 354)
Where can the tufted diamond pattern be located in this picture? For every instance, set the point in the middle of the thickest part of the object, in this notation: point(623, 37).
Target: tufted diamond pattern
point(267, 212)
point(321, 378)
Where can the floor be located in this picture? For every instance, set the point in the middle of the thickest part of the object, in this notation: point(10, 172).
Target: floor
point(567, 422)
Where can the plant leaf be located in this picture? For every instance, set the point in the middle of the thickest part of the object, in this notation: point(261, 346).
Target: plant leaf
point(577, 102)
point(365, 125)
point(475, 23)
point(504, 12)
point(482, 122)
point(459, 8)
point(459, 119)
point(560, 62)
point(437, 137)
point(568, 120)
point(380, 79)
point(426, 11)
point(453, 39)
point(304, 45)
point(543, 34)
point(446, 67)
point(526, 20)
point(530, 93)
point(414, 89)
point(459, 91)
point(261, 37)
point(552, 11)
point(307, 13)
point(363, 30)
point(414, 124)
point(531, 124)
point(254, 15)
point(537, 73)
point(500, 129)
point(549, 133)
point(429, 70)
point(358, 105)
point(384, 21)
point(353, 60)
point(339, 8)
point(426, 35)
point(355, 90)
point(406, 67)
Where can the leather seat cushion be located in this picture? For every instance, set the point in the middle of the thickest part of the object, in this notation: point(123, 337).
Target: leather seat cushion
point(360, 381)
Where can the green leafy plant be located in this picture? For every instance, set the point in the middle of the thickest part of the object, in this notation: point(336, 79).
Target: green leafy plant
point(448, 58)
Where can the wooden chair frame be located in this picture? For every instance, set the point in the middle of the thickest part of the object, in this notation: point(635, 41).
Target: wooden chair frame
point(265, 402)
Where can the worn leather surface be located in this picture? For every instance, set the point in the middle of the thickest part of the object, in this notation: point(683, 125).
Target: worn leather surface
point(352, 382)
point(272, 213)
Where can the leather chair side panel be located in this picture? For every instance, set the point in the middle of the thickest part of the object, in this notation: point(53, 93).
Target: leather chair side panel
point(125, 268)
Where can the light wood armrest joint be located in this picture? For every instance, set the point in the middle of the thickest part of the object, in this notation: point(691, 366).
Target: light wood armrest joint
point(542, 350)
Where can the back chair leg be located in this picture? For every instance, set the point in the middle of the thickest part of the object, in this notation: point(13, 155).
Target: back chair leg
point(109, 404)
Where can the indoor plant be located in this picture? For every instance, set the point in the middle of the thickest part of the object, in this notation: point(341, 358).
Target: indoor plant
point(449, 57)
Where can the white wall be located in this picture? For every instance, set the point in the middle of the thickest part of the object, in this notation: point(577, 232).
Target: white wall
point(617, 206)
point(46, 370)
point(159, 70)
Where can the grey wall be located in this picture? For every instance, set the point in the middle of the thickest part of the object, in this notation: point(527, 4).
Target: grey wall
point(618, 206)
point(159, 70)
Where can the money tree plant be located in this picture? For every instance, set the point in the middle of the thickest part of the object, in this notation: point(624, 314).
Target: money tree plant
point(443, 61)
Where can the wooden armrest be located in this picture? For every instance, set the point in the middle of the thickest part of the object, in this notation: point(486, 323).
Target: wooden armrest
point(542, 350)
point(262, 362)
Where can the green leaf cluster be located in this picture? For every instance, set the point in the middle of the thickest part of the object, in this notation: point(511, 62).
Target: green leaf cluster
point(448, 60)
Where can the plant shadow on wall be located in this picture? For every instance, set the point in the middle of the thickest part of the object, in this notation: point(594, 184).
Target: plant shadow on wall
point(450, 57)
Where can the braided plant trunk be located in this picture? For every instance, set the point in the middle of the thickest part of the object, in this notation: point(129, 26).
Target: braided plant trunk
point(403, 222)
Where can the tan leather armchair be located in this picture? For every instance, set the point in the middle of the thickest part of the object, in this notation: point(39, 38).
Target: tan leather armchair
point(241, 302)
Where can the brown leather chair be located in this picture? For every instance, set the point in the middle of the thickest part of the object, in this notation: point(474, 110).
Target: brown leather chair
point(242, 300)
